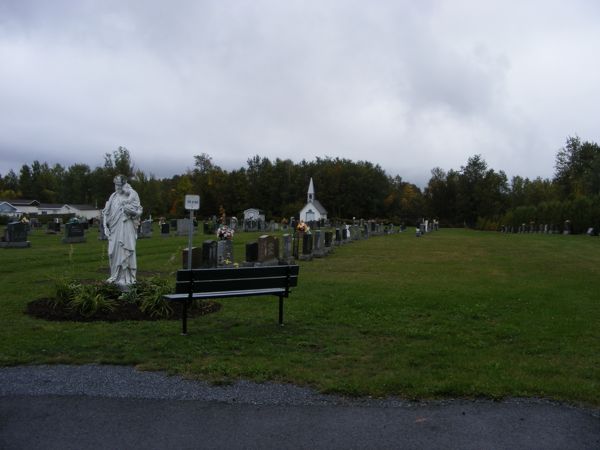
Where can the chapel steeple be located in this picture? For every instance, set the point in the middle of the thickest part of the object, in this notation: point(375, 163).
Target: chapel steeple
point(310, 195)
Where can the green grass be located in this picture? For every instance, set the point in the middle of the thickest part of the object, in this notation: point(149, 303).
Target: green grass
point(453, 314)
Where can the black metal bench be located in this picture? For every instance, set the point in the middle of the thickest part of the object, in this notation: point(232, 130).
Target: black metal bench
point(233, 282)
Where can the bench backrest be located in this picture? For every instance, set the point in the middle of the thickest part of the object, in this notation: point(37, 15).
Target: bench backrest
point(239, 279)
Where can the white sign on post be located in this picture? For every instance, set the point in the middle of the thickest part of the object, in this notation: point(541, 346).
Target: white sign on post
point(192, 202)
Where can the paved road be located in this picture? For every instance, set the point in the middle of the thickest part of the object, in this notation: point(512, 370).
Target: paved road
point(112, 407)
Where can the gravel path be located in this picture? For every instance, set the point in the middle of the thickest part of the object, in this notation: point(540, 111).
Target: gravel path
point(100, 406)
point(126, 382)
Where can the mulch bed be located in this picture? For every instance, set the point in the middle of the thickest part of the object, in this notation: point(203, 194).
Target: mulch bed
point(43, 309)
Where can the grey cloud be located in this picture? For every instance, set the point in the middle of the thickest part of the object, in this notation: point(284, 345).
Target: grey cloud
point(408, 85)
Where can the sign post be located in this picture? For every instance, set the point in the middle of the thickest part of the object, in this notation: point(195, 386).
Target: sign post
point(192, 203)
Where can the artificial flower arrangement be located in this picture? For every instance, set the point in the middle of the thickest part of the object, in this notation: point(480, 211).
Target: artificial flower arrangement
point(302, 227)
point(224, 233)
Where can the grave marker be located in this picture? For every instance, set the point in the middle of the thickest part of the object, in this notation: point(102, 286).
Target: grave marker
point(74, 233)
point(307, 246)
point(209, 254)
point(15, 236)
point(318, 244)
point(268, 250)
point(196, 258)
point(225, 252)
point(145, 230)
point(287, 256)
point(184, 226)
point(251, 253)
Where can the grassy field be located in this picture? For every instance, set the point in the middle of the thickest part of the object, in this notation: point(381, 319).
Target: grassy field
point(454, 314)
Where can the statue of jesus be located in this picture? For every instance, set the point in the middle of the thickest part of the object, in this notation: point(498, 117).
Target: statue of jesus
point(121, 218)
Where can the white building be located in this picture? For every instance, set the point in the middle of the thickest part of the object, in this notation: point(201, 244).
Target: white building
point(313, 210)
point(254, 214)
point(18, 208)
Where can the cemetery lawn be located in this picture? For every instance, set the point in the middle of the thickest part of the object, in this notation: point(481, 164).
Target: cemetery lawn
point(456, 313)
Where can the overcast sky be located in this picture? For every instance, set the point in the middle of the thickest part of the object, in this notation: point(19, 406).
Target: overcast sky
point(409, 85)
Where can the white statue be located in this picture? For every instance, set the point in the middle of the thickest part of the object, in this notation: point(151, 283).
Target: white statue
point(121, 218)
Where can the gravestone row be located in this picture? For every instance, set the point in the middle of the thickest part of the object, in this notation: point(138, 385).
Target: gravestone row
point(212, 254)
point(539, 228)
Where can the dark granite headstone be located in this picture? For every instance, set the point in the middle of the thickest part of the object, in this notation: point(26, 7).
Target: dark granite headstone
point(165, 229)
point(74, 233)
point(196, 258)
point(16, 232)
point(307, 244)
point(15, 236)
point(328, 239)
point(209, 254)
point(251, 252)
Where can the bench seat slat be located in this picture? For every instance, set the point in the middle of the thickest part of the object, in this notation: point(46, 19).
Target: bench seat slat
point(225, 294)
point(240, 272)
point(235, 284)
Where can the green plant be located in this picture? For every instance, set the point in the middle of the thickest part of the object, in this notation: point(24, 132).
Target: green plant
point(130, 295)
point(64, 290)
point(108, 290)
point(88, 299)
point(149, 297)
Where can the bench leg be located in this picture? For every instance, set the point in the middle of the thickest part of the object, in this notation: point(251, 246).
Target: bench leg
point(184, 318)
point(281, 310)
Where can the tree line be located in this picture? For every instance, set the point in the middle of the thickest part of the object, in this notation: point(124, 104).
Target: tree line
point(346, 188)
point(479, 197)
point(474, 196)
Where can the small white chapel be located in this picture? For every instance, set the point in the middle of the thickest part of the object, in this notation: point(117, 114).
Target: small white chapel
point(313, 210)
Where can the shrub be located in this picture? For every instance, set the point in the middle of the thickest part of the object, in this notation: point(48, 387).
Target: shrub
point(108, 290)
point(88, 299)
point(64, 291)
point(149, 294)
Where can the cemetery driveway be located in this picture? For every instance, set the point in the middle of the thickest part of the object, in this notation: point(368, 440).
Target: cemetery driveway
point(96, 406)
